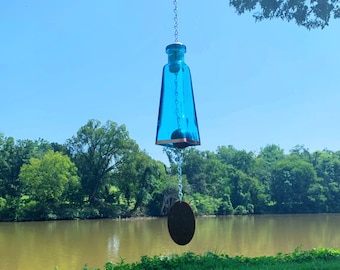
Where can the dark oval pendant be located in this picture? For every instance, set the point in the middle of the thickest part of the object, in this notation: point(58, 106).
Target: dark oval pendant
point(181, 223)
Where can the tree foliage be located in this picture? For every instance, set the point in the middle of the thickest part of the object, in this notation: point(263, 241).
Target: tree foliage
point(14, 154)
point(49, 182)
point(97, 150)
point(138, 177)
point(310, 14)
point(291, 181)
point(101, 172)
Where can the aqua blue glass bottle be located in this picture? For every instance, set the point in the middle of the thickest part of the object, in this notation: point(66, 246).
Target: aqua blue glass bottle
point(177, 121)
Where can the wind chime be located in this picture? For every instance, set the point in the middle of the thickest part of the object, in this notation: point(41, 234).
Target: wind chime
point(177, 128)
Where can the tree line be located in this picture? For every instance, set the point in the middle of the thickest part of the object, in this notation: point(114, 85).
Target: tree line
point(102, 173)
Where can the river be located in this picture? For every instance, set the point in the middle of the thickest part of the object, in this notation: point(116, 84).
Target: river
point(72, 244)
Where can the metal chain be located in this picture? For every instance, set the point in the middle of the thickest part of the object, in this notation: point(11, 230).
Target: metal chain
point(176, 20)
point(178, 118)
point(179, 159)
point(179, 155)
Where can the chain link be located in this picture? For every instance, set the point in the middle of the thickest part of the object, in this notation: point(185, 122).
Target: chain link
point(176, 20)
point(179, 159)
point(178, 117)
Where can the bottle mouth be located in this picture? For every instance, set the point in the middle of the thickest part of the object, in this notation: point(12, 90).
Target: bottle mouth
point(177, 46)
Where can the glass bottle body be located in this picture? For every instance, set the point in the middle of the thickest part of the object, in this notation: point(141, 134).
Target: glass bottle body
point(177, 121)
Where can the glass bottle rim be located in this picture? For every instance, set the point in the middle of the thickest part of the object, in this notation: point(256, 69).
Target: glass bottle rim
point(177, 47)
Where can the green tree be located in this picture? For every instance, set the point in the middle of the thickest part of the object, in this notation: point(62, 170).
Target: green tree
point(165, 196)
point(271, 153)
point(205, 205)
point(207, 176)
point(194, 169)
point(137, 178)
point(245, 190)
point(263, 167)
point(194, 166)
point(97, 150)
point(292, 178)
point(310, 14)
point(165, 190)
point(327, 167)
point(301, 152)
point(49, 182)
point(240, 159)
point(9, 184)
point(13, 154)
point(218, 181)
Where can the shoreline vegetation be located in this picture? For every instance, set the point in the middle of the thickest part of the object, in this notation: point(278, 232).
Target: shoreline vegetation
point(102, 173)
point(322, 258)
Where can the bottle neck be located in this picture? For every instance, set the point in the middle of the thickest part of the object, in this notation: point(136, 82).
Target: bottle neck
point(175, 58)
point(175, 52)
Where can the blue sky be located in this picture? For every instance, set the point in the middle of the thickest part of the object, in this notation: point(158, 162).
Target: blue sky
point(65, 62)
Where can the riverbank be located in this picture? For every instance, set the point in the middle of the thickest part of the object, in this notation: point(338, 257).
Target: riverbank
point(299, 259)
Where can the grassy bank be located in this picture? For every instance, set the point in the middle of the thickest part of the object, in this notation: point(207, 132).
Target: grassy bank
point(299, 259)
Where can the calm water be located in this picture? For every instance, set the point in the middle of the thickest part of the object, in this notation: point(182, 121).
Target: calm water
point(71, 244)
